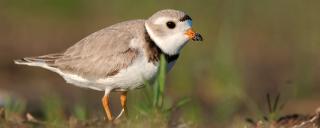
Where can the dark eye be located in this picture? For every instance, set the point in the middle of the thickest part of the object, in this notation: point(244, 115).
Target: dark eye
point(171, 25)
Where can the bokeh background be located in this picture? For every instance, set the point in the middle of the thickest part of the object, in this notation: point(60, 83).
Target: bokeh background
point(250, 48)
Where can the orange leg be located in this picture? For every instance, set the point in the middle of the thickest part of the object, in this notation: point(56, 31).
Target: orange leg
point(123, 99)
point(106, 106)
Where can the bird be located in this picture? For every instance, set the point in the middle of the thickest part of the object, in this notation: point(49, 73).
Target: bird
point(121, 57)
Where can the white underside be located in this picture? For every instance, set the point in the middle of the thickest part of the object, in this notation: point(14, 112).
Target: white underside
point(133, 76)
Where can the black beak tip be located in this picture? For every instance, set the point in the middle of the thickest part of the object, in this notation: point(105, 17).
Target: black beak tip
point(197, 37)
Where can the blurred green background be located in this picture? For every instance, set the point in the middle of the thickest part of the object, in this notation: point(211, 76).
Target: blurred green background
point(251, 48)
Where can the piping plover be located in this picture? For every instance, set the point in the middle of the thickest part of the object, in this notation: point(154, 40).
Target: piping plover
point(123, 56)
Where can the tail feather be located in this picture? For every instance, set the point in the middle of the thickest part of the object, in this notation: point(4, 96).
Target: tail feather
point(22, 61)
point(39, 60)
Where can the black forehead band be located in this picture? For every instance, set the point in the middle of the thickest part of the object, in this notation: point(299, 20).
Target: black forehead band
point(185, 17)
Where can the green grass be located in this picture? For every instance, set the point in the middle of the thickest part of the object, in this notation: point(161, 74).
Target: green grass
point(159, 85)
point(53, 110)
point(13, 108)
point(80, 112)
point(152, 109)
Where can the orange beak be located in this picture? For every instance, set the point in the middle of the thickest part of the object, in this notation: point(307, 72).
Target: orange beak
point(193, 35)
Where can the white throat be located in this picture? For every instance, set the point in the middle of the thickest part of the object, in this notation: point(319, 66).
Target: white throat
point(171, 44)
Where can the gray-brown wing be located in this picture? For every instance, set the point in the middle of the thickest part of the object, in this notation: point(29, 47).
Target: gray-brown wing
point(101, 54)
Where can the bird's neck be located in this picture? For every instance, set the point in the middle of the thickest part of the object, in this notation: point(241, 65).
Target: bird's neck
point(154, 51)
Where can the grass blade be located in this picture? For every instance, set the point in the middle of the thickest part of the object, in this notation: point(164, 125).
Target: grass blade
point(275, 105)
point(161, 79)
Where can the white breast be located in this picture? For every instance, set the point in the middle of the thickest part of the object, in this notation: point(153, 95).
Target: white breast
point(133, 76)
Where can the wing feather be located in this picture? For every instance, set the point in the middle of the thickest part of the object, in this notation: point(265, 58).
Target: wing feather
point(101, 54)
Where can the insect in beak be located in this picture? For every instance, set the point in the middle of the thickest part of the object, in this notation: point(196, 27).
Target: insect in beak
point(193, 35)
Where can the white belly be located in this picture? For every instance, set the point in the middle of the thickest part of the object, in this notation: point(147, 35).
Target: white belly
point(133, 76)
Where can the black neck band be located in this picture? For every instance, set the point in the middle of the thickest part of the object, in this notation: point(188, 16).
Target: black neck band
point(153, 45)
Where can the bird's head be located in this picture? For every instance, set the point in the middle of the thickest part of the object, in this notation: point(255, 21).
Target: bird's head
point(171, 30)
